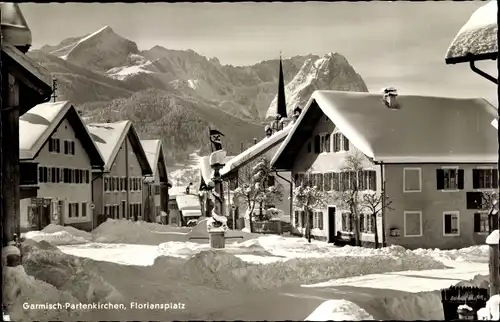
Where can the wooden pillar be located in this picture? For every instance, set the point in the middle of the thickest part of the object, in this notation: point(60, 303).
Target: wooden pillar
point(10, 161)
point(494, 273)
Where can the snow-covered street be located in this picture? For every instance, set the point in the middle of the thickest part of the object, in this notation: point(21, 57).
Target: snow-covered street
point(301, 280)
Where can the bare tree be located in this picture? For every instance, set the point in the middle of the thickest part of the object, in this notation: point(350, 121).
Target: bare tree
point(308, 198)
point(489, 202)
point(351, 197)
point(254, 188)
point(375, 204)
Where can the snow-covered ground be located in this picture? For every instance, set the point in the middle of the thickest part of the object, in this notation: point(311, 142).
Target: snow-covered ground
point(280, 259)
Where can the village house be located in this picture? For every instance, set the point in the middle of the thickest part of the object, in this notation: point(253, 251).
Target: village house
point(24, 85)
point(434, 156)
point(54, 140)
point(117, 189)
point(237, 169)
point(155, 190)
point(174, 214)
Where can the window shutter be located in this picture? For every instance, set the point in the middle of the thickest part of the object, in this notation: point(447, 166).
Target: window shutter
point(51, 145)
point(362, 222)
point(335, 181)
point(461, 179)
point(346, 143)
point(372, 183)
point(320, 220)
point(361, 180)
point(495, 178)
point(447, 224)
point(317, 144)
point(351, 226)
point(477, 222)
point(327, 142)
point(440, 179)
point(319, 181)
point(475, 179)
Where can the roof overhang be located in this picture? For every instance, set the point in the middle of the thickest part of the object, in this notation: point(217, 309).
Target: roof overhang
point(477, 39)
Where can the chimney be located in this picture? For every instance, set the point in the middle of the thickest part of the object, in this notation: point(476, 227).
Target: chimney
point(241, 147)
point(390, 95)
point(269, 131)
point(296, 114)
point(15, 30)
point(254, 141)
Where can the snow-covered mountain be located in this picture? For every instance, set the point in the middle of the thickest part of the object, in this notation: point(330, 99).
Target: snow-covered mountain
point(332, 72)
point(104, 69)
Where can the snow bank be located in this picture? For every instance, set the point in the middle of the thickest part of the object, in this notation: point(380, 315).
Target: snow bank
point(493, 238)
point(67, 273)
point(56, 238)
point(338, 310)
point(20, 288)
point(478, 254)
point(70, 229)
point(492, 309)
point(132, 232)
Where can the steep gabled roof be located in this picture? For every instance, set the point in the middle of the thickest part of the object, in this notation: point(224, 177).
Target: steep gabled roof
point(109, 137)
point(424, 130)
point(37, 125)
point(155, 156)
point(255, 150)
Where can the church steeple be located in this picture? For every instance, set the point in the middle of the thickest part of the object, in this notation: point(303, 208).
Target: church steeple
point(281, 93)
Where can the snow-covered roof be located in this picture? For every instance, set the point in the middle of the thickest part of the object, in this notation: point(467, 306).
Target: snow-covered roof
point(256, 150)
point(153, 150)
point(188, 202)
point(39, 123)
point(191, 213)
point(477, 39)
point(177, 190)
point(109, 138)
point(424, 129)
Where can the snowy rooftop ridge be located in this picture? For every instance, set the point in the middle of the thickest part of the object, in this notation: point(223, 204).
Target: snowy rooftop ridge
point(478, 37)
point(152, 148)
point(256, 150)
point(383, 134)
point(108, 137)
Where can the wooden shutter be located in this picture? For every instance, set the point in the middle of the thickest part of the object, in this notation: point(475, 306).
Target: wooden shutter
point(317, 144)
point(495, 178)
point(327, 143)
point(447, 224)
point(353, 180)
point(475, 178)
point(346, 143)
point(319, 181)
point(477, 222)
point(372, 180)
point(320, 220)
point(461, 179)
point(335, 181)
point(440, 179)
point(361, 181)
point(361, 222)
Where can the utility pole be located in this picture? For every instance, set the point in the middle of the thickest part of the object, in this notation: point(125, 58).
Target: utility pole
point(54, 89)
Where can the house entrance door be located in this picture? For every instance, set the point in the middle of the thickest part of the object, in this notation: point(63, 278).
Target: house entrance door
point(331, 224)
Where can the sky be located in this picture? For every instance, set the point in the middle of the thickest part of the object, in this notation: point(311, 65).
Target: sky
point(400, 44)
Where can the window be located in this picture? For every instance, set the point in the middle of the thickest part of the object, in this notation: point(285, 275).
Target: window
point(302, 219)
point(318, 220)
point(40, 174)
point(106, 210)
point(158, 189)
point(412, 180)
point(71, 177)
point(451, 223)
point(367, 180)
point(54, 145)
point(347, 222)
point(66, 147)
point(450, 179)
point(45, 174)
point(271, 181)
point(72, 148)
point(327, 181)
point(139, 184)
point(362, 222)
point(324, 144)
point(370, 224)
point(340, 142)
point(484, 178)
point(299, 179)
point(84, 209)
point(347, 180)
point(61, 175)
point(106, 184)
point(481, 222)
point(345, 143)
point(317, 180)
point(111, 184)
point(73, 210)
point(413, 224)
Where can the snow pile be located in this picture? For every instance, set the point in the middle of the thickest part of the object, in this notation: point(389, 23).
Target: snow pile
point(132, 232)
point(67, 273)
point(70, 229)
point(56, 238)
point(338, 310)
point(478, 254)
point(492, 309)
point(493, 238)
point(20, 288)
